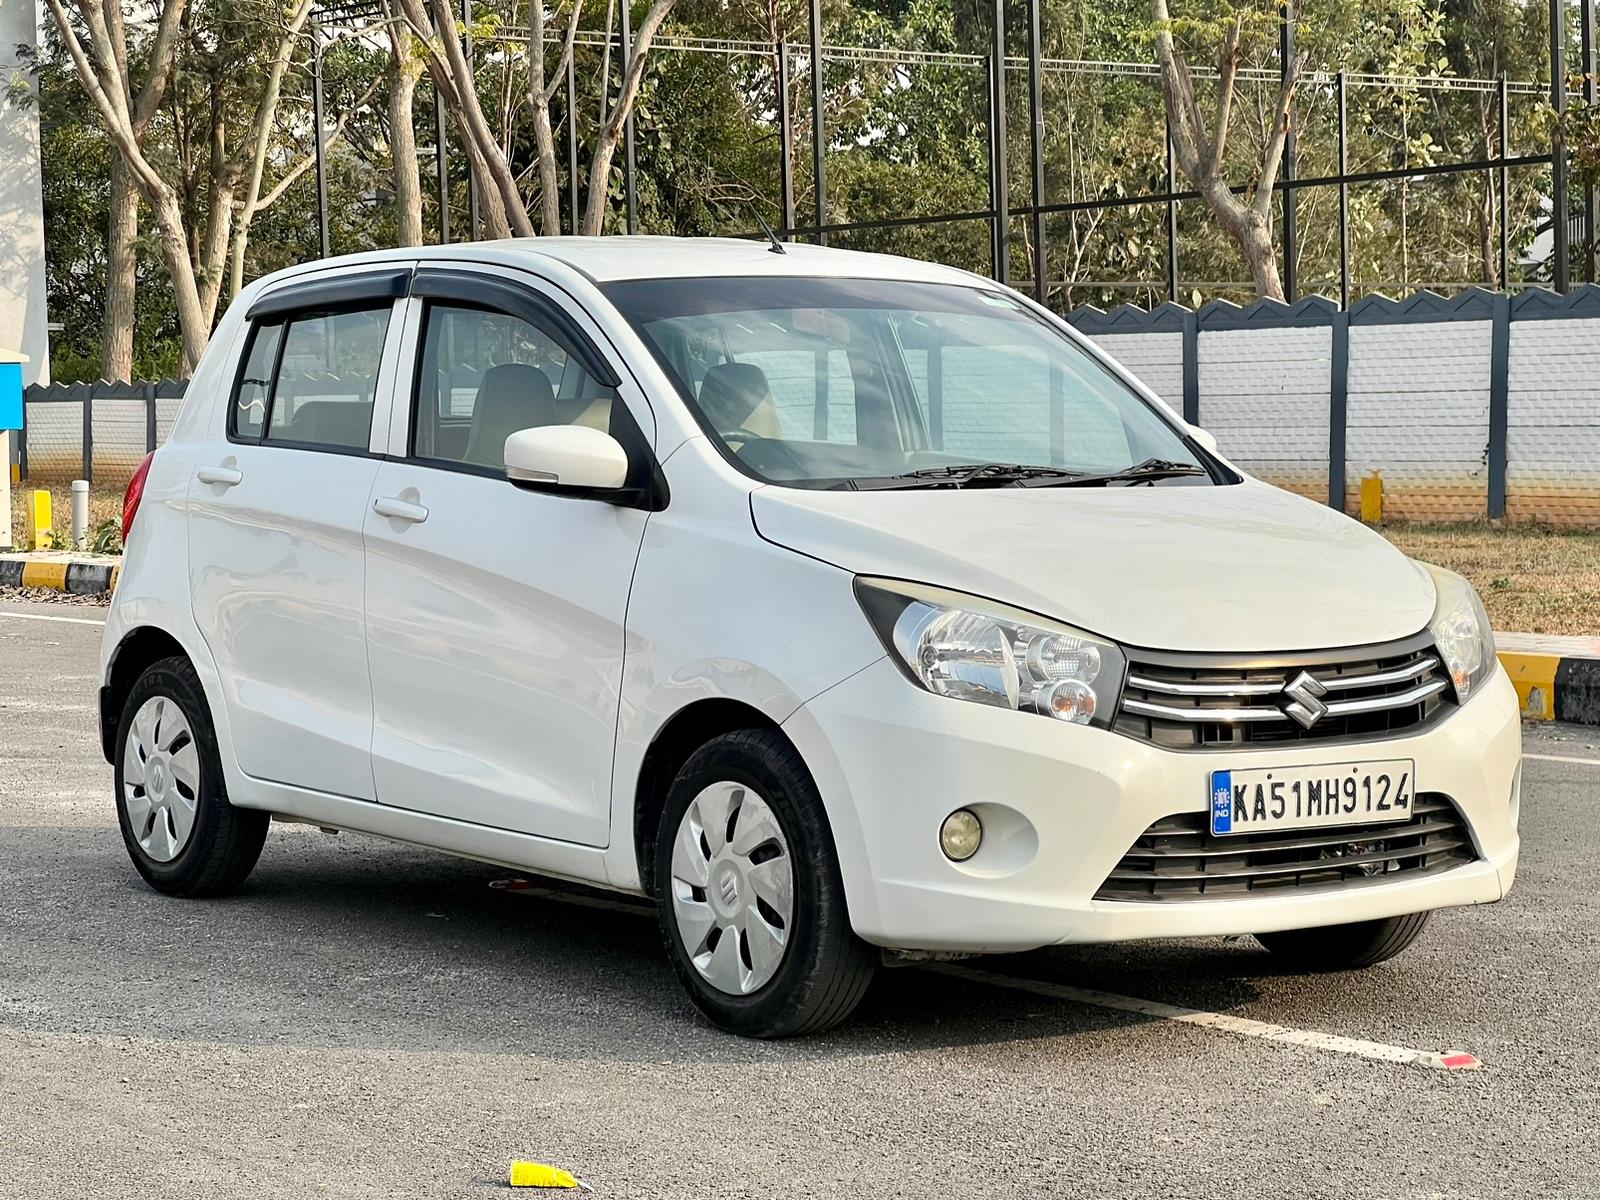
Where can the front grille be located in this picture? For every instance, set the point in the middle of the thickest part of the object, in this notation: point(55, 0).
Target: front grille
point(1179, 859)
point(1220, 702)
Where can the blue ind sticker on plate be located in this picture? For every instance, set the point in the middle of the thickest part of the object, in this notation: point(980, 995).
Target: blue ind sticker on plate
point(1221, 801)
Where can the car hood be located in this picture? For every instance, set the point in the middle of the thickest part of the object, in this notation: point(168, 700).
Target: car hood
point(1246, 567)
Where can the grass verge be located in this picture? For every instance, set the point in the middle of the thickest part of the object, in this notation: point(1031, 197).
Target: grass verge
point(1533, 579)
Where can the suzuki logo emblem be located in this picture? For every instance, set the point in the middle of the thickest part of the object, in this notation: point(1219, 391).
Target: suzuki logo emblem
point(1305, 695)
point(730, 888)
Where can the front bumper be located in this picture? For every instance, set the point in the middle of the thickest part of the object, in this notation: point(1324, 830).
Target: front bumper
point(1062, 804)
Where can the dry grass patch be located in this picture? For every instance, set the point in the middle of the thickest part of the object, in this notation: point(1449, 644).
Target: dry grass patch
point(1533, 579)
point(105, 504)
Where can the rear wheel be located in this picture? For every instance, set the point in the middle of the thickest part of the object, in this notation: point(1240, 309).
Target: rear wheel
point(1346, 947)
point(183, 835)
point(751, 902)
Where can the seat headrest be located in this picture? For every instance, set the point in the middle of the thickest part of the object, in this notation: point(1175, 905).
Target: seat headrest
point(512, 396)
point(343, 423)
point(731, 392)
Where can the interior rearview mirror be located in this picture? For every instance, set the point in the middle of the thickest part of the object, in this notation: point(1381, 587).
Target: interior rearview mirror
point(1204, 437)
point(566, 456)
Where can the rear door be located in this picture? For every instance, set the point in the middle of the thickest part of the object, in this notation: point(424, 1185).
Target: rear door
point(494, 614)
point(276, 510)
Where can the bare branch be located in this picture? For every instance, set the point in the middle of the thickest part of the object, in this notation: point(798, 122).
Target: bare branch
point(1272, 158)
point(1227, 76)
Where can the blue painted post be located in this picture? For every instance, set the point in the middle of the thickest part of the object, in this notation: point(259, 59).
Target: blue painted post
point(10, 418)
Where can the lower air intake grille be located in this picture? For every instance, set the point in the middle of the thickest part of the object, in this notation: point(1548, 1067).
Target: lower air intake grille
point(1179, 859)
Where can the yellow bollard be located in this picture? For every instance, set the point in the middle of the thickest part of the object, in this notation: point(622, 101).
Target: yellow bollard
point(1372, 499)
point(39, 520)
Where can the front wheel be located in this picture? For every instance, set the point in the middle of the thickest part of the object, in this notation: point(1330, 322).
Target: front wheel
point(1346, 947)
point(183, 835)
point(751, 902)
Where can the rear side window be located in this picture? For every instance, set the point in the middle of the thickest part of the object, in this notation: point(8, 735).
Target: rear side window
point(310, 380)
point(249, 414)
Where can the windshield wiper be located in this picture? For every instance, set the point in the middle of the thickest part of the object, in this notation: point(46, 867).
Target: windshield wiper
point(994, 474)
point(1148, 471)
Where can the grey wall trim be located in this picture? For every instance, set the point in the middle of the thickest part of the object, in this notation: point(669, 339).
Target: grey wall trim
point(1535, 304)
point(1129, 318)
point(1191, 368)
point(1267, 314)
point(1499, 406)
point(1474, 304)
point(1338, 408)
point(101, 389)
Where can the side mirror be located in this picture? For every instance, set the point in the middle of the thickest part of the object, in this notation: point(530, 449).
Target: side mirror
point(566, 457)
point(1205, 437)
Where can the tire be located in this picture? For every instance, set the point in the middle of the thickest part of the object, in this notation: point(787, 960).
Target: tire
point(206, 847)
point(1346, 947)
point(775, 817)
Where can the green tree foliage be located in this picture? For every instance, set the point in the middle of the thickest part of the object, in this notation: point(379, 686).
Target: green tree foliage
point(904, 137)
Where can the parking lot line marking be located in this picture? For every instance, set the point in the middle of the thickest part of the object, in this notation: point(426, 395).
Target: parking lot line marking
point(1564, 758)
point(44, 617)
point(1450, 1060)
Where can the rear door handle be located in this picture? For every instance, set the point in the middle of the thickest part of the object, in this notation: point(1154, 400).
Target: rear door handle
point(400, 510)
point(226, 476)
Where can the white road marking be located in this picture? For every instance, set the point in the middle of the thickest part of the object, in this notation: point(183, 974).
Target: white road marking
point(44, 617)
point(1307, 1038)
point(1449, 1060)
point(1564, 758)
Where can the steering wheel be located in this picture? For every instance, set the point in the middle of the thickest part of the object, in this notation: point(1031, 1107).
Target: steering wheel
point(742, 435)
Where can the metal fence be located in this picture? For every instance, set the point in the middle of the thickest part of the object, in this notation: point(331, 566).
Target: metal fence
point(1003, 217)
point(95, 431)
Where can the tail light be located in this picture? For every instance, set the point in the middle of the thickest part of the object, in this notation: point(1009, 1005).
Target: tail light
point(134, 494)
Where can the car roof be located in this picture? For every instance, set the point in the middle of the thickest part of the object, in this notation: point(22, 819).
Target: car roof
point(618, 257)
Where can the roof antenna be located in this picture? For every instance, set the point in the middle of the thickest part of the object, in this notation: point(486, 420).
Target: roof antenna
point(777, 246)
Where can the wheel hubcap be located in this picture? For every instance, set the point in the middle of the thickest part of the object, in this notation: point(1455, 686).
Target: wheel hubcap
point(161, 778)
point(732, 888)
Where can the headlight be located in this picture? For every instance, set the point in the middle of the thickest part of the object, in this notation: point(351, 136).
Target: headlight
point(970, 649)
point(1460, 629)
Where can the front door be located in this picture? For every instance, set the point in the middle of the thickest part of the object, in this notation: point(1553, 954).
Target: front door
point(495, 615)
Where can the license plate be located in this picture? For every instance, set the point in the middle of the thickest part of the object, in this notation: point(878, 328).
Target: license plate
point(1263, 799)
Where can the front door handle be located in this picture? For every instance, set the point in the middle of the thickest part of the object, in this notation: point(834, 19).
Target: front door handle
point(400, 510)
point(226, 476)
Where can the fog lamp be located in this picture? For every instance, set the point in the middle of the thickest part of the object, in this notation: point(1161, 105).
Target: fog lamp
point(960, 835)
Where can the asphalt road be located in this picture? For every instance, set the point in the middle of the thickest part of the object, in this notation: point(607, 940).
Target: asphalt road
point(370, 1020)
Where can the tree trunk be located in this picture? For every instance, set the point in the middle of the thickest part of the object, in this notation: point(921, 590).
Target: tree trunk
point(403, 149)
point(605, 150)
point(1250, 231)
point(192, 323)
point(498, 194)
point(1488, 251)
point(543, 135)
point(549, 181)
point(122, 263)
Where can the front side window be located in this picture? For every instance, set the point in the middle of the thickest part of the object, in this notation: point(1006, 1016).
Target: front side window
point(486, 375)
point(852, 382)
point(309, 380)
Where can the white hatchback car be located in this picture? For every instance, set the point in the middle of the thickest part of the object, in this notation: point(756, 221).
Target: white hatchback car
point(845, 604)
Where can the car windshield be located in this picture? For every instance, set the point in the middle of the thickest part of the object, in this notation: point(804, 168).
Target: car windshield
point(873, 383)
